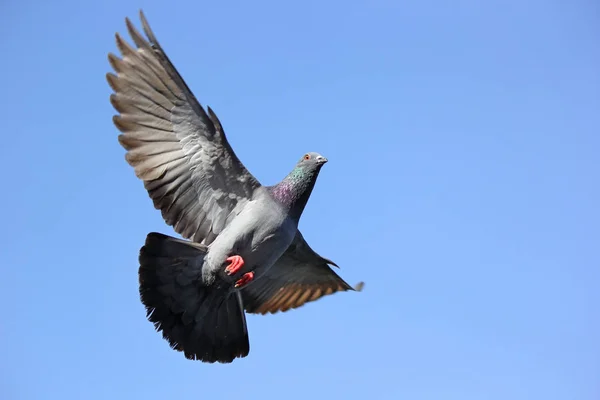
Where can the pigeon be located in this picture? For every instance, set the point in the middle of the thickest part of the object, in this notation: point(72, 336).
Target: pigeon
point(241, 250)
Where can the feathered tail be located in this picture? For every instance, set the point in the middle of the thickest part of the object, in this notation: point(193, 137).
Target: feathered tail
point(206, 323)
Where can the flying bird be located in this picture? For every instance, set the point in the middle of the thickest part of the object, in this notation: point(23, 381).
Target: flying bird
point(241, 249)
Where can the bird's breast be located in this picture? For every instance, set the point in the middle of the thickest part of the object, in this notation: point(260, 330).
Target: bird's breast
point(269, 243)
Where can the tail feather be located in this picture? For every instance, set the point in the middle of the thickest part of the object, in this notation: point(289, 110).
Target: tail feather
point(206, 323)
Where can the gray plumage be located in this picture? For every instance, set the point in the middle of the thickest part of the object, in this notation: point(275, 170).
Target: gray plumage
point(194, 178)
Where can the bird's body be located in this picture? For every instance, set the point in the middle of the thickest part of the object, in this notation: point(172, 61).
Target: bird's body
point(260, 234)
point(245, 252)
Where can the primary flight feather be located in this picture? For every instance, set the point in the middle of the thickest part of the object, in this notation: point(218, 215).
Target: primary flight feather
point(244, 251)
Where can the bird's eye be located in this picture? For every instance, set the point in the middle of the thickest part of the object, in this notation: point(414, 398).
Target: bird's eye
point(307, 156)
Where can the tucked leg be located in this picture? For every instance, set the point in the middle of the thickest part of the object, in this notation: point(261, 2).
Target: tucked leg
point(245, 279)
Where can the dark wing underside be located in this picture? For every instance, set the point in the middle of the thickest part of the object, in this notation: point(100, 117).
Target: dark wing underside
point(178, 149)
point(298, 277)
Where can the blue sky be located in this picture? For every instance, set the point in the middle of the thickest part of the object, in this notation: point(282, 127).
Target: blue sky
point(462, 188)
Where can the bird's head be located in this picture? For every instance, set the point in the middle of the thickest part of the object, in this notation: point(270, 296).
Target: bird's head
point(312, 161)
point(296, 188)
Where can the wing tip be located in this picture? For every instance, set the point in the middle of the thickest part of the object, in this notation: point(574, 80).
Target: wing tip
point(147, 30)
point(359, 286)
point(142, 15)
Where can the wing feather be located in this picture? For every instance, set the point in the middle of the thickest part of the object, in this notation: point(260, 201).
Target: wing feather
point(299, 276)
point(177, 148)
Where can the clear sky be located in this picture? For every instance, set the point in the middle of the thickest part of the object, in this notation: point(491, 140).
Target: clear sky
point(462, 187)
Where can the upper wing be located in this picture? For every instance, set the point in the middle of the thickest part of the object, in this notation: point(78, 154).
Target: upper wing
point(298, 277)
point(180, 152)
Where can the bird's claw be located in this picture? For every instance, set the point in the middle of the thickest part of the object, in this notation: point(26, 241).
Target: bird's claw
point(245, 279)
point(236, 263)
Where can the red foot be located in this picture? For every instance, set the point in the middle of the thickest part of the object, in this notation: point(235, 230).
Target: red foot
point(236, 264)
point(245, 279)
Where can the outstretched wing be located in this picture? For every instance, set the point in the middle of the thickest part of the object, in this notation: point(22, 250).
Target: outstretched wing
point(178, 149)
point(298, 277)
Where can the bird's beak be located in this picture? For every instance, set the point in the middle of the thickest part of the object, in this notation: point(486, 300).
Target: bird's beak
point(321, 160)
